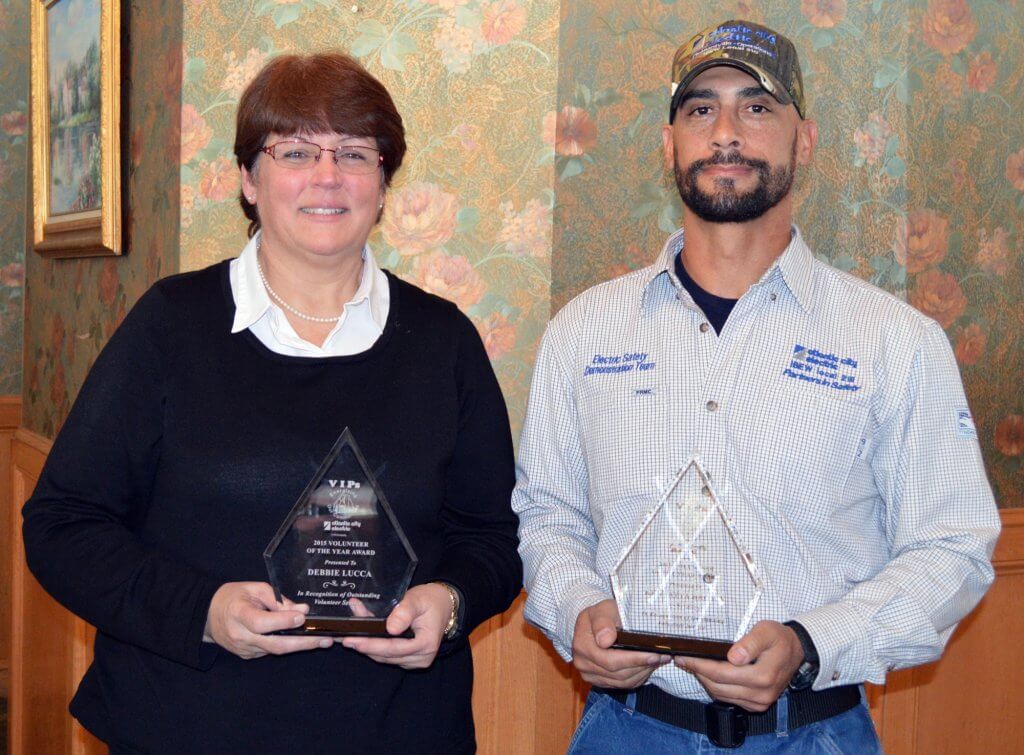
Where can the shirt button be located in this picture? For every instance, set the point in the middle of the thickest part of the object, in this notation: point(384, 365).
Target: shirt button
point(773, 296)
point(704, 327)
point(835, 676)
point(711, 406)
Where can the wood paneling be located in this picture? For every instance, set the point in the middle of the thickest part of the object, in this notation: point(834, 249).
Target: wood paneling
point(527, 700)
point(50, 647)
point(10, 418)
point(970, 701)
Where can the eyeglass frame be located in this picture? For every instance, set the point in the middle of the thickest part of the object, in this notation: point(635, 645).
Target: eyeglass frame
point(269, 149)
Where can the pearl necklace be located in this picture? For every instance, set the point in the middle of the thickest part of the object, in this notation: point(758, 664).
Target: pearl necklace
point(274, 295)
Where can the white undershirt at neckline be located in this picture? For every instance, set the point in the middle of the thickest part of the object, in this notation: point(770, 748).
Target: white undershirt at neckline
point(361, 324)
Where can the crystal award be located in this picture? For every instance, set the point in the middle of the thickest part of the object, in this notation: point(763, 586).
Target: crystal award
point(686, 584)
point(341, 550)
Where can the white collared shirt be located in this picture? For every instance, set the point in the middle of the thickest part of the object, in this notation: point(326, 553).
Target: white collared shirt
point(361, 323)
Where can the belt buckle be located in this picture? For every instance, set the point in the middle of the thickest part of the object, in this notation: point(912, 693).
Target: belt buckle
point(726, 724)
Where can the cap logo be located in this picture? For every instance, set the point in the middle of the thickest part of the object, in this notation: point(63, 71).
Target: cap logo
point(733, 38)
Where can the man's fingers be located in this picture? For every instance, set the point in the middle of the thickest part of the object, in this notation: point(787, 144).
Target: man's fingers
point(719, 671)
point(750, 699)
point(621, 673)
point(596, 630)
point(763, 637)
point(624, 660)
point(751, 687)
point(604, 623)
point(626, 681)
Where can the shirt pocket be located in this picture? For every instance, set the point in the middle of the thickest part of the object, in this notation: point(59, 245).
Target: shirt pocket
point(623, 434)
point(794, 449)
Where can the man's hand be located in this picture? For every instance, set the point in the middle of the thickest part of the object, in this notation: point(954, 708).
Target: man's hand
point(596, 628)
point(759, 667)
point(242, 614)
point(425, 609)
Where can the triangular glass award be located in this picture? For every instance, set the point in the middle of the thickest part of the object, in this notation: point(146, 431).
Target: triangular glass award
point(341, 549)
point(686, 584)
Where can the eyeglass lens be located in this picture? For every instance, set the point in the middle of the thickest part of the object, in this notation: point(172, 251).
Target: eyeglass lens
point(350, 158)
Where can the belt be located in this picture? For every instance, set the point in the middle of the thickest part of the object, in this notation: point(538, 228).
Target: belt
point(728, 725)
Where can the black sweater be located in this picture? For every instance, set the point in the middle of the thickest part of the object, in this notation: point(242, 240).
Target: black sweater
point(185, 450)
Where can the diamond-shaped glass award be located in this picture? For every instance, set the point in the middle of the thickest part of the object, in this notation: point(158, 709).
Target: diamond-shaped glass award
point(686, 584)
point(341, 549)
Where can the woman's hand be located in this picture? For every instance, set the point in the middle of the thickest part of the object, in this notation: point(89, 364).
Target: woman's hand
point(426, 610)
point(242, 614)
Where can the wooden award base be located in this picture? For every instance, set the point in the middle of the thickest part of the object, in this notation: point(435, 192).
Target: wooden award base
point(349, 626)
point(695, 647)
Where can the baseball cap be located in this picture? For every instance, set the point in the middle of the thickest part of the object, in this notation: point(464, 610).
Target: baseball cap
point(765, 54)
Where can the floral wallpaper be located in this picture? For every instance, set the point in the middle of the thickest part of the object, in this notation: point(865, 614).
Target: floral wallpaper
point(961, 233)
point(534, 167)
point(14, 88)
point(917, 184)
point(468, 216)
point(73, 305)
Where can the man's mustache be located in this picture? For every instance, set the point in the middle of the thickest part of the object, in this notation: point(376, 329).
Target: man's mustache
point(726, 158)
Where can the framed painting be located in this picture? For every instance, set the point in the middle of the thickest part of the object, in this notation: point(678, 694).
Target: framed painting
point(76, 127)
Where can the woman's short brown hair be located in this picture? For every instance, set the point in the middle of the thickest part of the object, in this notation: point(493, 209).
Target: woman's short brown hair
point(299, 94)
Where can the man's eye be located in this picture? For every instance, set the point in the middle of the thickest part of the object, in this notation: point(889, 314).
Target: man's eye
point(759, 109)
point(701, 110)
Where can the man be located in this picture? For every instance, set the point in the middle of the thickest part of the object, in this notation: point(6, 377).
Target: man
point(829, 415)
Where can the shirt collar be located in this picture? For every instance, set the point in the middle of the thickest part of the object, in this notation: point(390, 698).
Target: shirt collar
point(795, 265)
point(252, 300)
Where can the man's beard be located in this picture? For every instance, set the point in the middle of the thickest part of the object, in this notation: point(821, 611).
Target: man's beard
point(726, 205)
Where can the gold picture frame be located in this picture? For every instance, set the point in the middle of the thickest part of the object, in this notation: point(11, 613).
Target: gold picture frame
point(76, 127)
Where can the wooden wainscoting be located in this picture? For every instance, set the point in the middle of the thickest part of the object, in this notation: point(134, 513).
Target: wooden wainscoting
point(970, 701)
point(526, 700)
point(51, 648)
point(10, 419)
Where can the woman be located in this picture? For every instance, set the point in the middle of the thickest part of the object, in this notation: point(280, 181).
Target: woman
point(208, 413)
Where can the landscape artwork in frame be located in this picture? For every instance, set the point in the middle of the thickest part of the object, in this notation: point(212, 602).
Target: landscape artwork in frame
point(76, 60)
point(73, 91)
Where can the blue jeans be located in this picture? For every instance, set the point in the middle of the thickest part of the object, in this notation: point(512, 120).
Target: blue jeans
point(610, 728)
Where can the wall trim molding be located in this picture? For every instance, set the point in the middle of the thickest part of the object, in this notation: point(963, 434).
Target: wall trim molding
point(31, 450)
point(10, 412)
point(1009, 555)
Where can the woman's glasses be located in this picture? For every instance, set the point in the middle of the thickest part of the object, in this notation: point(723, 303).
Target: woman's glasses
point(299, 154)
